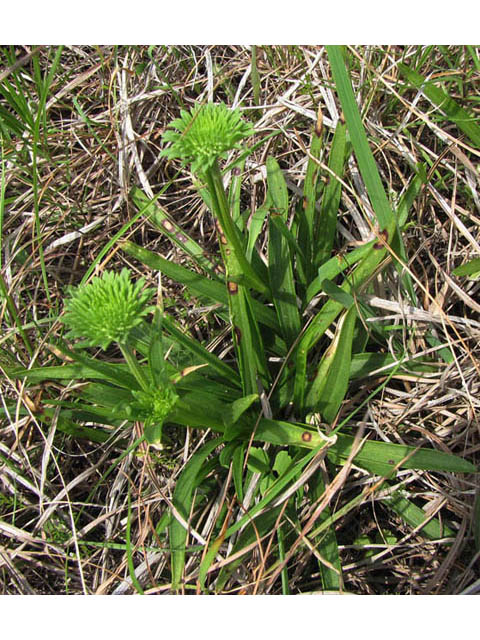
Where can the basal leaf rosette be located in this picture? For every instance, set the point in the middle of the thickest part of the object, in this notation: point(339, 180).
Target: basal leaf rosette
point(107, 308)
point(204, 134)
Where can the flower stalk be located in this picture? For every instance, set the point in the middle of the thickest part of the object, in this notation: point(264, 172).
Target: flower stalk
point(200, 138)
point(135, 368)
point(213, 178)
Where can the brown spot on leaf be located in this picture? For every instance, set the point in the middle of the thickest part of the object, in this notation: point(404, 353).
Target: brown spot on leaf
point(306, 436)
point(232, 287)
point(383, 234)
point(221, 235)
point(181, 237)
point(168, 226)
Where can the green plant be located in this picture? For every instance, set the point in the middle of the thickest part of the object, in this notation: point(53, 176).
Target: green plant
point(287, 383)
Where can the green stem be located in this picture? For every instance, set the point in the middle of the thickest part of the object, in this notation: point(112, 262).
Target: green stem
point(221, 208)
point(134, 367)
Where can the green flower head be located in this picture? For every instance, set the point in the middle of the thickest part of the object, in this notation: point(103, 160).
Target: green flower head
point(154, 405)
point(204, 134)
point(106, 309)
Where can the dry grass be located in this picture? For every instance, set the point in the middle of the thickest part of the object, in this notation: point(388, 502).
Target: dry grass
point(62, 519)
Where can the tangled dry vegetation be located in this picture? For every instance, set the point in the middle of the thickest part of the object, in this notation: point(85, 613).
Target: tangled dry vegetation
point(65, 528)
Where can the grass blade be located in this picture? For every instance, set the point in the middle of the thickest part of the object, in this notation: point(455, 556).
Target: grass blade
point(470, 268)
point(182, 501)
point(280, 269)
point(464, 120)
point(365, 159)
point(336, 265)
point(326, 222)
point(326, 542)
point(331, 382)
point(415, 516)
point(306, 225)
point(381, 458)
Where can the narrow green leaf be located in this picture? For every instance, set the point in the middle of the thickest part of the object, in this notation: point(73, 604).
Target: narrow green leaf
point(377, 457)
point(75, 430)
point(464, 120)
point(237, 409)
point(283, 433)
point(247, 340)
point(306, 212)
point(382, 457)
point(331, 309)
point(331, 382)
point(365, 159)
point(336, 265)
point(295, 249)
point(277, 188)
point(118, 374)
point(234, 192)
point(196, 409)
point(408, 198)
point(240, 277)
point(156, 360)
point(334, 292)
point(76, 371)
point(258, 460)
point(256, 224)
point(414, 516)
point(326, 542)
point(182, 501)
point(255, 77)
point(231, 241)
point(326, 221)
point(363, 364)
point(280, 267)
point(470, 268)
point(237, 470)
point(282, 557)
point(207, 560)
